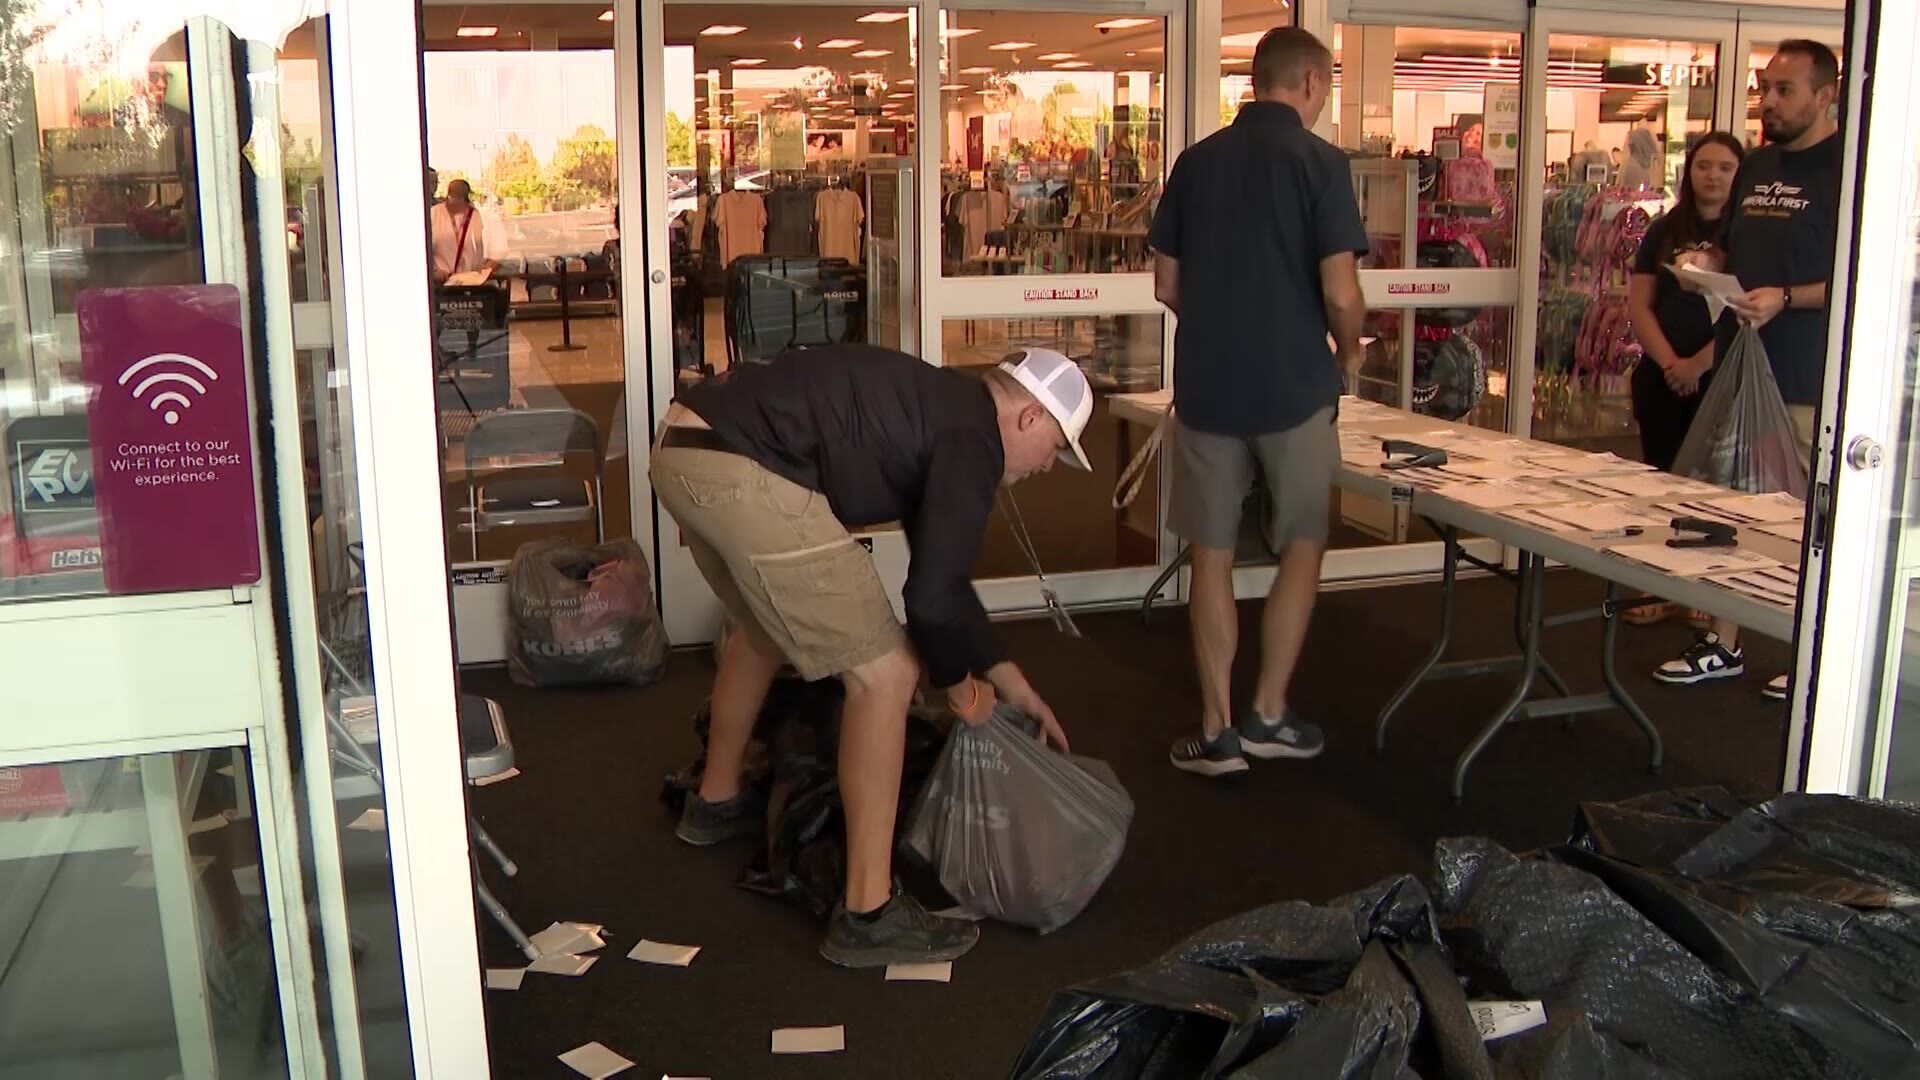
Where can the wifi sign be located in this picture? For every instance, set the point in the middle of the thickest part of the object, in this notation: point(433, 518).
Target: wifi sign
point(164, 387)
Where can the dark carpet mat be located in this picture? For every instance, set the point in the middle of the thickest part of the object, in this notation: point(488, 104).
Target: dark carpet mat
point(595, 845)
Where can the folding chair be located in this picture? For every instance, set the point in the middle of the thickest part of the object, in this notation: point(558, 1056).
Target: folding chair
point(526, 454)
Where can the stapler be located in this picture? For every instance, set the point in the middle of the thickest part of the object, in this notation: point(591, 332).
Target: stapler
point(1702, 533)
point(1402, 454)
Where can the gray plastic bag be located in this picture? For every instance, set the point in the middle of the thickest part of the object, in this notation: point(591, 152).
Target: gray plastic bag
point(1016, 831)
point(1742, 437)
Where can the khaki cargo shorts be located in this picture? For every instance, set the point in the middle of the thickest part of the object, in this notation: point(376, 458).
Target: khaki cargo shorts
point(780, 562)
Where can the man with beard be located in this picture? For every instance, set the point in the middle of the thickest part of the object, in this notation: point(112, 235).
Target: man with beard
point(1780, 242)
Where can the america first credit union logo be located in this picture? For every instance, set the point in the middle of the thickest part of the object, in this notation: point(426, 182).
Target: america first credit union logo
point(1775, 199)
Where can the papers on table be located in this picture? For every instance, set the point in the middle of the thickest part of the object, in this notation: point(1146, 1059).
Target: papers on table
point(1694, 562)
point(821, 1040)
point(1795, 531)
point(1600, 517)
point(1773, 509)
point(664, 955)
point(595, 1062)
point(1778, 585)
point(1648, 485)
point(1492, 469)
point(1501, 496)
point(1575, 463)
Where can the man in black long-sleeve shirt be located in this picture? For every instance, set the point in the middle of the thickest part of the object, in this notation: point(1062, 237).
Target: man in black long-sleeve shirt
point(766, 470)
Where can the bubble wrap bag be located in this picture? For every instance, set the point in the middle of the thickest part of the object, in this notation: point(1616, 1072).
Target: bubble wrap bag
point(1743, 438)
point(1015, 831)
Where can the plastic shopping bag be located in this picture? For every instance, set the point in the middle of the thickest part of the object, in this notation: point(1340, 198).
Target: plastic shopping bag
point(1743, 438)
point(1015, 830)
point(583, 615)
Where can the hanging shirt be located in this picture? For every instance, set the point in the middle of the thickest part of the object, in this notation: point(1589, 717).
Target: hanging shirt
point(790, 222)
point(837, 211)
point(1784, 225)
point(742, 217)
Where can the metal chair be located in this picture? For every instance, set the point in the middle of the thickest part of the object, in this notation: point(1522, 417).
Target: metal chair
point(538, 445)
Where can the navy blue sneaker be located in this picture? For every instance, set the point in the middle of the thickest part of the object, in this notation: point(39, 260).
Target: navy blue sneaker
point(1290, 738)
point(1217, 756)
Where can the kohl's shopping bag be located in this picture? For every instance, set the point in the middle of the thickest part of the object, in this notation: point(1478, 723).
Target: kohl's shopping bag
point(1742, 438)
point(1015, 830)
point(583, 615)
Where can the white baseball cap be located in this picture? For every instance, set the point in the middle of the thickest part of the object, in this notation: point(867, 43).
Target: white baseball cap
point(1059, 385)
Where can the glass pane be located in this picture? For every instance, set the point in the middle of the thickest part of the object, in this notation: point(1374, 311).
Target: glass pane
point(787, 130)
point(1621, 114)
point(530, 350)
point(1242, 24)
point(1070, 516)
point(1439, 109)
point(1051, 142)
point(1902, 655)
point(133, 933)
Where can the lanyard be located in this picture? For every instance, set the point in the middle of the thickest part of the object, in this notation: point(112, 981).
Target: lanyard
point(1062, 621)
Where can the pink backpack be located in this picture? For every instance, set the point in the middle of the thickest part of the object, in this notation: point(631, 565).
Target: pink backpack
point(1470, 180)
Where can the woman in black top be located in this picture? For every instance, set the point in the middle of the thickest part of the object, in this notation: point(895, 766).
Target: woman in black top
point(1676, 336)
point(1671, 322)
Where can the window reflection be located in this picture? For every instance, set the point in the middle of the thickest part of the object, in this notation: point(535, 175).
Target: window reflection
point(1052, 141)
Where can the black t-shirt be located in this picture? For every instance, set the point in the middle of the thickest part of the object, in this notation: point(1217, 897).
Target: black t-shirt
point(1785, 217)
point(1249, 212)
point(1682, 315)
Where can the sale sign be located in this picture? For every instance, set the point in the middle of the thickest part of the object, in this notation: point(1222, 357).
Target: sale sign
point(172, 444)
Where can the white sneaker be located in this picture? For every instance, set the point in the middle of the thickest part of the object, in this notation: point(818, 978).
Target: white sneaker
point(1708, 659)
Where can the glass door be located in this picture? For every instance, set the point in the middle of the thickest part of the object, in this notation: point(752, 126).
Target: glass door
point(1858, 687)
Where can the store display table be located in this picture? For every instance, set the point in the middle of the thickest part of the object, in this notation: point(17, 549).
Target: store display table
point(1551, 504)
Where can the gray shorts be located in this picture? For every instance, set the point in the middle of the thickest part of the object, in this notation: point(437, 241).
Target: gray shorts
point(1213, 474)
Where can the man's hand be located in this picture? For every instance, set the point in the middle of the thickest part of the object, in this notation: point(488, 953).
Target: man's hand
point(1759, 306)
point(971, 700)
point(1350, 361)
point(1012, 686)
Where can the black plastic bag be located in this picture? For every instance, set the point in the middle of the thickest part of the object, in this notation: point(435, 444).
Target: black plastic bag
point(583, 615)
point(1016, 831)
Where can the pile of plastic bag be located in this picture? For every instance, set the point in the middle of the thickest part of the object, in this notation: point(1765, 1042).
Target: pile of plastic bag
point(1680, 935)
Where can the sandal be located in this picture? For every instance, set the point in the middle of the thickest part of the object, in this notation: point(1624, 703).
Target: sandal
point(1699, 620)
point(1647, 614)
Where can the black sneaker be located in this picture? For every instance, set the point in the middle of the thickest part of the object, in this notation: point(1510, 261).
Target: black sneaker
point(1290, 738)
point(901, 932)
point(1217, 756)
point(1708, 659)
point(703, 824)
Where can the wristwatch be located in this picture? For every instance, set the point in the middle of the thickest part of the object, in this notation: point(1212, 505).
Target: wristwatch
point(1786, 297)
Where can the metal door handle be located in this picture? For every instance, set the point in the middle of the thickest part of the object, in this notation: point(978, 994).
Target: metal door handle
point(1863, 453)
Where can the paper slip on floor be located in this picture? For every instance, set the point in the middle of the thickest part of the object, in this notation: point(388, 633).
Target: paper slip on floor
point(371, 821)
point(505, 978)
point(820, 1040)
point(941, 972)
point(569, 937)
point(664, 955)
point(1773, 508)
point(563, 964)
point(595, 1062)
point(496, 778)
point(1693, 562)
point(205, 825)
point(143, 878)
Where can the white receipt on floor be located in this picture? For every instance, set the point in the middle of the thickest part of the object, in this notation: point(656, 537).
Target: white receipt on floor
point(206, 824)
point(143, 878)
point(820, 1040)
point(663, 954)
point(595, 1062)
point(562, 964)
point(941, 972)
point(505, 978)
point(569, 937)
point(1499, 1019)
point(496, 777)
point(374, 820)
point(1693, 562)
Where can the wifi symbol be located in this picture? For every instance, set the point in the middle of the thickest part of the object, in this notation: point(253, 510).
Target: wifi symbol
point(168, 397)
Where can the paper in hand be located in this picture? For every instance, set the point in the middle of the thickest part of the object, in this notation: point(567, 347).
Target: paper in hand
point(1718, 290)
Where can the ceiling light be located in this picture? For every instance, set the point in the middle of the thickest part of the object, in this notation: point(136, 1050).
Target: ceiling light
point(476, 31)
point(747, 61)
point(977, 71)
point(903, 82)
point(1235, 62)
point(607, 15)
point(1010, 46)
point(723, 89)
point(1072, 65)
point(898, 96)
point(959, 31)
point(1059, 56)
point(841, 101)
point(869, 54)
point(1121, 24)
point(882, 17)
point(838, 43)
point(954, 86)
point(722, 30)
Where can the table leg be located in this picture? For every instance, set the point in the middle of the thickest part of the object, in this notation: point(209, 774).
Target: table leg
point(1180, 559)
point(1449, 574)
point(1610, 674)
point(1520, 609)
point(179, 920)
point(1531, 568)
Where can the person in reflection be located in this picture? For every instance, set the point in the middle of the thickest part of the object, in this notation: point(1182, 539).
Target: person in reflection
point(461, 243)
point(1782, 228)
point(1669, 320)
point(1256, 247)
point(765, 469)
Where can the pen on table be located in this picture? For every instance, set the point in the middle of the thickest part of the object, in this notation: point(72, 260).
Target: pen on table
point(1619, 534)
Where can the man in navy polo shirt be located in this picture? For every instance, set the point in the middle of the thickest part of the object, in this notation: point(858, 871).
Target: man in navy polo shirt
point(1256, 246)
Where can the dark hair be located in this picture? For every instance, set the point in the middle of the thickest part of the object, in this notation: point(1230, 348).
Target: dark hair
point(1826, 66)
point(1283, 57)
point(1685, 226)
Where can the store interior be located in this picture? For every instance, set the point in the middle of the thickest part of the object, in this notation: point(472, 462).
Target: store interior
point(1052, 134)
